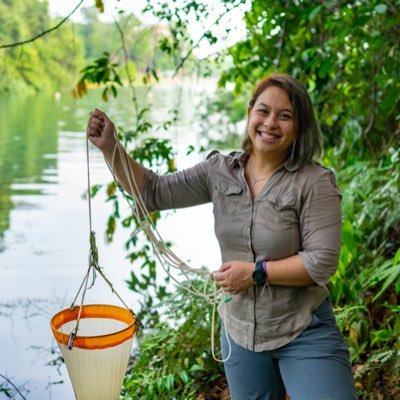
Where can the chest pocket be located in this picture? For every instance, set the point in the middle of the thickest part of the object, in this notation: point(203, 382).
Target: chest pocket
point(228, 198)
point(285, 205)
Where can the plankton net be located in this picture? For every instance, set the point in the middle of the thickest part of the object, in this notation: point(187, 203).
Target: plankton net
point(98, 357)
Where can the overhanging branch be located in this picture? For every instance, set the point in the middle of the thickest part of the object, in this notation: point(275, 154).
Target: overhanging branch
point(5, 46)
point(197, 44)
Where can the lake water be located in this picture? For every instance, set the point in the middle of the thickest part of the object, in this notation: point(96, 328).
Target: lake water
point(44, 224)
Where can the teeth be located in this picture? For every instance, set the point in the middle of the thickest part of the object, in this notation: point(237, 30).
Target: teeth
point(268, 135)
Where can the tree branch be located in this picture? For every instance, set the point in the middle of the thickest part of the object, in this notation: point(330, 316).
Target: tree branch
point(190, 51)
point(4, 46)
point(128, 73)
point(282, 37)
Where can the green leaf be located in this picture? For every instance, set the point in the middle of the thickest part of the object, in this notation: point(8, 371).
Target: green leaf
point(397, 286)
point(196, 367)
point(396, 258)
point(314, 13)
point(393, 274)
point(100, 5)
point(6, 392)
point(381, 335)
point(184, 376)
point(381, 8)
point(95, 189)
point(114, 90)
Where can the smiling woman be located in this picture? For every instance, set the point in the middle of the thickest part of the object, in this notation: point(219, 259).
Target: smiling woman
point(278, 224)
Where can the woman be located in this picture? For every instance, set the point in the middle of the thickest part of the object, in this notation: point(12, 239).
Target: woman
point(278, 223)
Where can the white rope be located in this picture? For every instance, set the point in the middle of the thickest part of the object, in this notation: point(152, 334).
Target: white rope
point(163, 253)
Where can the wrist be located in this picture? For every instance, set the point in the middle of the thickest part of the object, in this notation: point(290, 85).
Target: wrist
point(109, 151)
point(266, 271)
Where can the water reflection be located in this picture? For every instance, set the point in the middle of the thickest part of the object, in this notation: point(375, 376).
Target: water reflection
point(28, 145)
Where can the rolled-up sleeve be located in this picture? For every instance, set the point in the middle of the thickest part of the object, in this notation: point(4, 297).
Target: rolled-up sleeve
point(321, 228)
point(185, 188)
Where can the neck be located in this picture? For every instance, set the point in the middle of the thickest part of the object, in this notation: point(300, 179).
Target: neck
point(263, 166)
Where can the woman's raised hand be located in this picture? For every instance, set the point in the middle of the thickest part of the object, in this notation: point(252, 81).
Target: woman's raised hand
point(100, 131)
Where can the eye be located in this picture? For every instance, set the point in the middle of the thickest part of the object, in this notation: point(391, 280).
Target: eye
point(262, 111)
point(285, 116)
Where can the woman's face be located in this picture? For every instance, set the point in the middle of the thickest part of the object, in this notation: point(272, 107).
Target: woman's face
point(271, 125)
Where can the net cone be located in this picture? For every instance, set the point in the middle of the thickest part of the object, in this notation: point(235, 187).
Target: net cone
point(99, 357)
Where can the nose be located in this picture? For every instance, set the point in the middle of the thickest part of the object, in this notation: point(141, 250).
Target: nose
point(270, 120)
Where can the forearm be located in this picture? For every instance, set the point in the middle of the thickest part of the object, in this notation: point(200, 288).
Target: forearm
point(288, 271)
point(236, 276)
point(129, 173)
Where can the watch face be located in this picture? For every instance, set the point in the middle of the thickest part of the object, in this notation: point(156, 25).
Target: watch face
point(258, 277)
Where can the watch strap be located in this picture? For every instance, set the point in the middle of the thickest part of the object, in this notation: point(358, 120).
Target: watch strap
point(259, 274)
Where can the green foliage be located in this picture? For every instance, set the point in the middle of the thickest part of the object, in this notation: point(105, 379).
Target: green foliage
point(103, 71)
point(174, 360)
point(366, 287)
point(52, 62)
point(140, 40)
point(179, 16)
point(221, 119)
point(346, 53)
point(47, 64)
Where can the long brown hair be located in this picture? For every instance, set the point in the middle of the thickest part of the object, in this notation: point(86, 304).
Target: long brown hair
point(308, 142)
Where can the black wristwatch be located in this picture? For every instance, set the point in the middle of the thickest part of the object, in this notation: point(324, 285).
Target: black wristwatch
point(259, 275)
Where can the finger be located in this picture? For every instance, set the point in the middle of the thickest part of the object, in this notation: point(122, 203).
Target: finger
point(94, 119)
point(220, 279)
point(96, 123)
point(96, 113)
point(101, 115)
point(94, 130)
point(217, 275)
point(225, 267)
point(221, 283)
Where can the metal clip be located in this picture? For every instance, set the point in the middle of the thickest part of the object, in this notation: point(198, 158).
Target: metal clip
point(71, 339)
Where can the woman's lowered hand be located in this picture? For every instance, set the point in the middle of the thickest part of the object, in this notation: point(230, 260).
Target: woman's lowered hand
point(235, 276)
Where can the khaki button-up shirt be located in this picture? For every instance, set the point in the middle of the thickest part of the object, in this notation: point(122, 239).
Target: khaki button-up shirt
point(296, 212)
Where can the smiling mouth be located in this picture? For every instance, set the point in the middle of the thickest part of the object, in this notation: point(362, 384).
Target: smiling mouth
point(268, 135)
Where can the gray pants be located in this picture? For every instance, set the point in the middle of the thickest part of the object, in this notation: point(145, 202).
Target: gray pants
point(314, 366)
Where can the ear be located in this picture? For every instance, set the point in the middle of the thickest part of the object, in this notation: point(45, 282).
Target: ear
point(248, 112)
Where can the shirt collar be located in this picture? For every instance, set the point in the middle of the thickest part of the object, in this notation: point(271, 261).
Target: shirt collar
point(239, 159)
